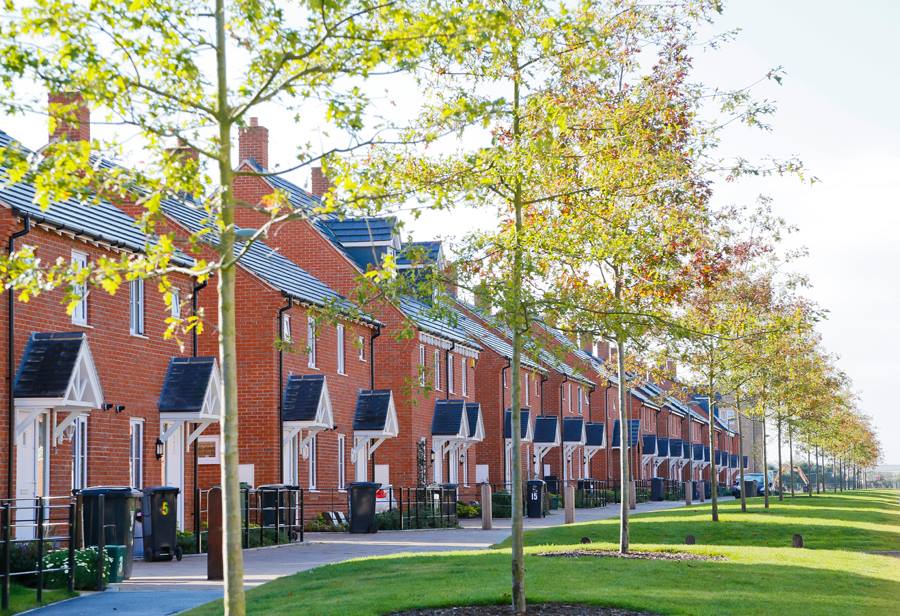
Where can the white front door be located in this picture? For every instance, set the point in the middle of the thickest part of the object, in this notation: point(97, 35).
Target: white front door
point(32, 471)
point(173, 466)
point(292, 461)
point(360, 471)
point(453, 471)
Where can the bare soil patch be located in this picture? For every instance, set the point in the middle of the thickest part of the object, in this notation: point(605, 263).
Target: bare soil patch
point(538, 609)
point(631, 555)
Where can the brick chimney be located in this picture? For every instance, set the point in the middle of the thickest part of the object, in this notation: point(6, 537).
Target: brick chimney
point(183, 151)
point(71, 115)
point(319, 183)
point(253, 142)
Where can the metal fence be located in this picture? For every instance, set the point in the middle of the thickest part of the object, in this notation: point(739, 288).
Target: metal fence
point(32, 529)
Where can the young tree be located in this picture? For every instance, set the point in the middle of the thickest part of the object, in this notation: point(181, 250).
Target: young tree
point(192, 72)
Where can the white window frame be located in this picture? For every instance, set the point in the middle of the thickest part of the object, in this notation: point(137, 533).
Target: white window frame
point(422, 365)
point(136, 458)
point(176, 303)
point(465, 468)
point(527, 388)
point(311, 341)
point(286, 328)
point(216, 440)
point(569, 397)
point(313, 462)
point(80, 454)
point(80, 314)
point(342, 462)
point(450, 373)
point(464, 375)
point(136, 311)
point(362, 347)
point(341, 359)
point(437, 370)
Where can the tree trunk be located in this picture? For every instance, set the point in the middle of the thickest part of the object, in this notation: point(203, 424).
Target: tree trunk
point(713, 480)
point(233, 558)
point(765, 469)
point(791, 457)
point(741, 454)
point(779, 473)
point(809, 485)
point(624, 435)
point(519, 325)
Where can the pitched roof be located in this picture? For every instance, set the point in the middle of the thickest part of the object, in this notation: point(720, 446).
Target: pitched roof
point(361, 231)
point(675, 447)
point(594, 431)
point(473, 412)
point(185, 385)
point(573, 430)
point(523, 418)
point(546, 430)
point(662, 447)
point(302, 395)
point(47, 364)
point(449, 418)
point(266, 263)
point(733, 461)
point(482, 334)
point(428, 319)
point(698, 452)
point(372, 408)
point(635, 430)
point(297, 197)
point(427, 252)
point(100, 221)
point(649, 444)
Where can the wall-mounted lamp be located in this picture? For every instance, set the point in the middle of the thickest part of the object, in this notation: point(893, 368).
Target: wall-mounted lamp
point(120, 408)
point(107, 406)
point(160, 449)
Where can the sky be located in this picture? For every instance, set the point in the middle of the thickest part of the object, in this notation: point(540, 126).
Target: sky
point(837, 111)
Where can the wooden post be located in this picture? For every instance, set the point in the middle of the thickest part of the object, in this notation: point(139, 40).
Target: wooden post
point(570, 504)
point(487, 509)
point(689, 492)
point(214, 555)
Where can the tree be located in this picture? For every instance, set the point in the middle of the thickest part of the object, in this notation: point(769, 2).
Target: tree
point(192, 72)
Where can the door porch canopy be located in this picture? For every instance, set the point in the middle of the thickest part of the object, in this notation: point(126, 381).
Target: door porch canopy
point(305, 407)
point(662, 451)
point(595, 439)
point(191, 394)
point(574, 435)
point(374, 421)
point(449, 426)
point(633, 432)
point(527, 430)
point(57, 373)
point(475, 422)
point(546, 437)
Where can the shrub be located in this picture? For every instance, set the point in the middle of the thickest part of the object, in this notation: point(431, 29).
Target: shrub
point(261, 537)
point(85, 568)
point(388, 520)
point(321, 524)
point(501, 504)
point(187, 542)
point(464, 511)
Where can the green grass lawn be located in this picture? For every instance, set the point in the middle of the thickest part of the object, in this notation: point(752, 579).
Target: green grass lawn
point(22, 598)
point(833, 578)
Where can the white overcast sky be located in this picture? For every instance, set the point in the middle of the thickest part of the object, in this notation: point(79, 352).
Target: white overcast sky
point(838, 112)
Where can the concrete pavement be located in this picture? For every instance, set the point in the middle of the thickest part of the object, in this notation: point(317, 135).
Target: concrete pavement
point(162, 588)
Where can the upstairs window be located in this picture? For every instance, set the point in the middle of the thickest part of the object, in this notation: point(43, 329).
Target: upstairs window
point(527, 389)
point(286, 328)
point(176, 303)
point(450, 372)
point(311, 341)
point(422, 365)
point(79, 315)
point(137, 307)
point(361, 343)
point(580, 401)
point(464, 376)
point(437, 369)
point(340, 350)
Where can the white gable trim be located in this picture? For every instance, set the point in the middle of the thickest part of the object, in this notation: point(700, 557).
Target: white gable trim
point(82, 393)
point(210, 412)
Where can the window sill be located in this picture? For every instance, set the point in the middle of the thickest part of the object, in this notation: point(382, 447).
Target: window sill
point(141, 336)
point(84, 325)
point(342, 374)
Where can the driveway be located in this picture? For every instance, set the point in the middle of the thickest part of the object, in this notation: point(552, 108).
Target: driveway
point(162, 588)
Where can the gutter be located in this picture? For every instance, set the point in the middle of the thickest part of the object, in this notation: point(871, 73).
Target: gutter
point(10, 359)
point(287, 306)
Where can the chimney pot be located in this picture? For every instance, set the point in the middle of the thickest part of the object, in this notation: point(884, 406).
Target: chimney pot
point(72, 116)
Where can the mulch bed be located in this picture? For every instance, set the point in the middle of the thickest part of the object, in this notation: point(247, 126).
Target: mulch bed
point(631, 555)
point(539, 609)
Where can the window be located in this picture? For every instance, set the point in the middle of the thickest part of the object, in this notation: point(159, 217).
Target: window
point(580, 401)
point(80, 454)
point(176, 303)
point(311, 341)
point(569, 397)
point(505, 384)
point(313, 462)
point(527, 395)
point(340, 350)
point(207, 449)
point(79, 314)
point(464, 376)
point(137, 307)
point(286, 328)
point(361, 343)
point(465, 468)
point(450, 372)
point(437, 369)
point(422, 365)
point(342, 462)
point(136, 454)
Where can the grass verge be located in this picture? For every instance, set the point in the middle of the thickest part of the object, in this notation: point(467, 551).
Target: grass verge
point(22, 598)
point(754, 578)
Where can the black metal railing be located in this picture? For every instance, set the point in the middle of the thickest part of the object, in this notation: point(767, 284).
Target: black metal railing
point(415, 508)
point(32, 528)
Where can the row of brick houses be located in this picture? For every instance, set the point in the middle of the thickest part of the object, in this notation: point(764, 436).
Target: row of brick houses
point(100, 398)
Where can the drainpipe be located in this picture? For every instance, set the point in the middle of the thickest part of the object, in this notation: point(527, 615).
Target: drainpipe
point(447, 379)
point(194, 352)
point(372, 381)
point(503, 414)
point(287, 306)
point(372, 356)
point(544, 379)
point(10, 359)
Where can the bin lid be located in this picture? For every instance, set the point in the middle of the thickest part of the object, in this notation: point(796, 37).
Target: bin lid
point(116, 491)
point(535, 481)
point(365, 484)
point(276, 486)
point(161, 490)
